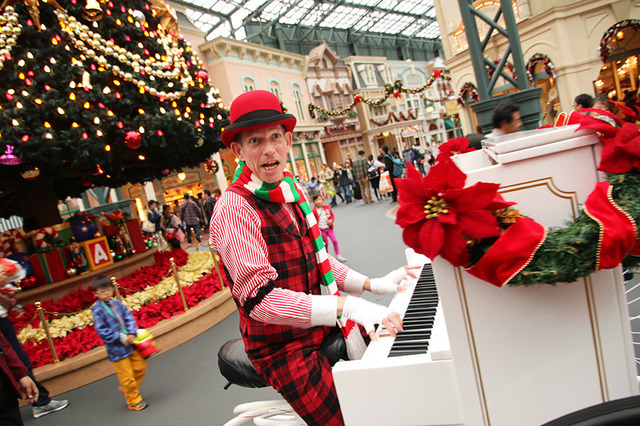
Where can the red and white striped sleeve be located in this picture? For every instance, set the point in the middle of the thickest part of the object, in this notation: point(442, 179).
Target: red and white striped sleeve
point(235, 233)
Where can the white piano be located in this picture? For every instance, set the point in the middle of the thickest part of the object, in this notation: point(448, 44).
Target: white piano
point(510, 356)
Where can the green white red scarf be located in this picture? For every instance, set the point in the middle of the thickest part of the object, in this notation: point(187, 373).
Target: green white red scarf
point(287, 191)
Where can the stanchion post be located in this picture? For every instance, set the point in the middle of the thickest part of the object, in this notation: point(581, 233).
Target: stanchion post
point(193, 238)
point(116, 288)
point(175, 274)
point(45, 325)
point(214, 256)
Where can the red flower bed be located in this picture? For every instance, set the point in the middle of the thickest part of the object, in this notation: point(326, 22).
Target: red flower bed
point(84, 339)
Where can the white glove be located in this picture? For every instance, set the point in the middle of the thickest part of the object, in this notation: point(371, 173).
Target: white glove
point(364, 312)
point(388, 283)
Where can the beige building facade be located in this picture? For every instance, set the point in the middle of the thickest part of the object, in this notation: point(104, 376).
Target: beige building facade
point(237, 67)
point(560, 41)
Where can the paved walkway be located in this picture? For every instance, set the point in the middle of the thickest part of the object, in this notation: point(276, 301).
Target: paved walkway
point(183, 386)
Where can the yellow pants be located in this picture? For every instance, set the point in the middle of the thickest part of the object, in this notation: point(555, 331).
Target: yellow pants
point(131, 371)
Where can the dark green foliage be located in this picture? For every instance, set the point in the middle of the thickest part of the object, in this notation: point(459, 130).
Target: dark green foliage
point(570, 252)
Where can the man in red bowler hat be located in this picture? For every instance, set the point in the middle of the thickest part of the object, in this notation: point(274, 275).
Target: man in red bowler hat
point(277, 266)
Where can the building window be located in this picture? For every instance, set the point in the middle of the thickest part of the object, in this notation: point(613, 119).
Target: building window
point(370, 75)
point(248, 84)
point(315, 160)
point(274, 87)
point(297, 98)
point(298, 158)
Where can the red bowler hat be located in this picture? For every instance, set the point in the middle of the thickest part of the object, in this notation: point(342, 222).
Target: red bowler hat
point(253, 110)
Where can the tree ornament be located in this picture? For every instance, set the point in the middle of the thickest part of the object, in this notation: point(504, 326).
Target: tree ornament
point(133, 140)
point(92, 11)
point(72, 272)
point(138, 15)
point(212, 167)
point(30, 174)
point(9, 158)
point(203, 76)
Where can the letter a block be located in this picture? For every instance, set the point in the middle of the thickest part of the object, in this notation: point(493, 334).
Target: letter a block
point(98, 253)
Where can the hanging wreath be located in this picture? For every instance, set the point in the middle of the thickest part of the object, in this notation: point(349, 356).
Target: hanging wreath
point(468, 90)
point(392, 117)
point(396, 89)
point(211, 167)
point(535, 60)
point(604, 50)
point(477, 229)
point(508, 65)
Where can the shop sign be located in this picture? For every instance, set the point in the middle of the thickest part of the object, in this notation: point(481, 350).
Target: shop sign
point(173, 181)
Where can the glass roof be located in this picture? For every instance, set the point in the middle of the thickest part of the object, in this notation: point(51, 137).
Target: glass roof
point(407, 18)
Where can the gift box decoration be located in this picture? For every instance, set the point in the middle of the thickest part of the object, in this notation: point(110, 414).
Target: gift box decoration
point(97, 252)
point(50, 266)
point(64, 234)
point(135, 233)
point(111, 230)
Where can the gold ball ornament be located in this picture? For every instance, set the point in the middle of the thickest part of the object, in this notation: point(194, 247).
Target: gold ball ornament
point(72, 272)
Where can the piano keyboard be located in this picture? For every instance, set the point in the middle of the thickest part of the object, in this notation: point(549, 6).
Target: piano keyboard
point(418, 318)
point(412, 373)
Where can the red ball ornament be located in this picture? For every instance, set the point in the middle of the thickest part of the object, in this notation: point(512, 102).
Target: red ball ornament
point(133, 140)
point(29, 282)
point(202, 75)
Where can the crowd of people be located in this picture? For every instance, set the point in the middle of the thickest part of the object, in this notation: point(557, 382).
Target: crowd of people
point(173, 225)
point(366, 177)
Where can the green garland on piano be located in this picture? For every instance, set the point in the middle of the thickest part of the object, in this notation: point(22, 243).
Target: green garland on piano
point(569, 252)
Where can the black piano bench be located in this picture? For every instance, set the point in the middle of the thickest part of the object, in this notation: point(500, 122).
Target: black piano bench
point(235, 366)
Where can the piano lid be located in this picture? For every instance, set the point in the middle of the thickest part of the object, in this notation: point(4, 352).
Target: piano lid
point(535, 143)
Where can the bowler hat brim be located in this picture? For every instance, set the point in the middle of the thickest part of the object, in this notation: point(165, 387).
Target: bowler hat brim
point(230, 132)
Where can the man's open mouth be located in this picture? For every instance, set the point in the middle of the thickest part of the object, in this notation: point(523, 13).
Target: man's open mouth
point(272, 165)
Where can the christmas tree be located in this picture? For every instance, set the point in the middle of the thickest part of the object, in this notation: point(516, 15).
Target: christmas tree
point(96, 94)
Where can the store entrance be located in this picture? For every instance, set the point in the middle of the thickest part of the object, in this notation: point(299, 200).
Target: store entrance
point(619, 49)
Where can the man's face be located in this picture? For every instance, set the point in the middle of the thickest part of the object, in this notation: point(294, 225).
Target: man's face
point(265, 151)
point(576, 106)
point(515, 124)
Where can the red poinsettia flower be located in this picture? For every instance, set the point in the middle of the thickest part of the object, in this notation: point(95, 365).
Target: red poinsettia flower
point(454, 146)
point(621, 153)
point(438, 214)
point(587, 122)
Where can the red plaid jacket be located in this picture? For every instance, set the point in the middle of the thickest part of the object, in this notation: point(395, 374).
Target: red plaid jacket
point(291, 254)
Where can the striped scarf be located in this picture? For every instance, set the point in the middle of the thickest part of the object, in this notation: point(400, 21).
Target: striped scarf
point(287, 191)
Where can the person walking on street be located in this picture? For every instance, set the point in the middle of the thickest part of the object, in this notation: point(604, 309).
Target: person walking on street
point(373, 172)
point(388, 167)
point(43, 404)
point(191, 215)
point(359, 169)
point(344, 176)
point(208, 205)
point(325, 217)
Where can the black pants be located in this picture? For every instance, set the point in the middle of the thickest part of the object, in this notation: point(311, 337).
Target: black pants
point(10, 334)
point(9, 410)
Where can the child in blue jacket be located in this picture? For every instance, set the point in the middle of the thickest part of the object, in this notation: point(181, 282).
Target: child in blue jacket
point(117, 328)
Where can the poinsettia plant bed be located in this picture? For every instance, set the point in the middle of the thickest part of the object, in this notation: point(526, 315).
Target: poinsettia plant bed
point(75, 334)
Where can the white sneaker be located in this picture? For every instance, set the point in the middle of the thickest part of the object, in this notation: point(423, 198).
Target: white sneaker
point(340, 258)
point(51, 407)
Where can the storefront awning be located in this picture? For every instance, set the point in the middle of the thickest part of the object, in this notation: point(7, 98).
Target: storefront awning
point(449, 124)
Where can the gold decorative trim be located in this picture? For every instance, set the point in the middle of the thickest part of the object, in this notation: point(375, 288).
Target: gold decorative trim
point(464, 307)
point(597, 341)
point(548, 182)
